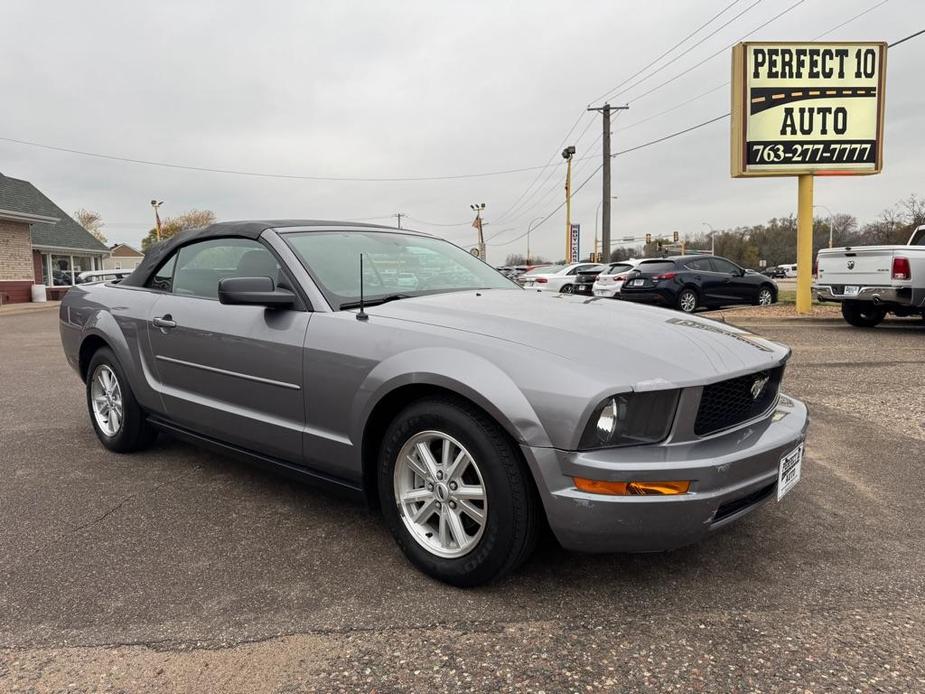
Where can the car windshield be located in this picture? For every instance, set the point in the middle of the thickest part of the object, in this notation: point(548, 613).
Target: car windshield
point(617, 269)
point(656, 266)
point(394, 265)
point(545, 270)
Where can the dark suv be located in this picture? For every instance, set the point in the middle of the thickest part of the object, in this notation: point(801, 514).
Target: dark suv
point(689, 282)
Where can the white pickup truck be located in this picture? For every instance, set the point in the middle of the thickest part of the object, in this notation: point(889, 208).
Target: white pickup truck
point(871, 281)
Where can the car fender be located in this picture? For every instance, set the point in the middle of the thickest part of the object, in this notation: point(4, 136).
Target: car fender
point(470, 375)
point(101, 323)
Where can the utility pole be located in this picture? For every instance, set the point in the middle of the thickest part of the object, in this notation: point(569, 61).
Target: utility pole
point(478, 208)
point(157, 217)
point(567, 154)
point(605, 192)
point(399, 215)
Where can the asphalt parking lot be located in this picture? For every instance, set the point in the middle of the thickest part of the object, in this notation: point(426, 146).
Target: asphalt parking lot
point(176, 569)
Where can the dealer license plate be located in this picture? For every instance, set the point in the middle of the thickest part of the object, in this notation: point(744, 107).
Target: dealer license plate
point(789, 472)
point(638, 283)
point(852, 291)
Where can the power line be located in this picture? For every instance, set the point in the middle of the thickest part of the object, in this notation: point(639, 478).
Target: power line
point(679, 43)
point(727, 83)
point(719, 52)
point(684, 53)
point(260, 174)
point(616, 154)
point(910, 36)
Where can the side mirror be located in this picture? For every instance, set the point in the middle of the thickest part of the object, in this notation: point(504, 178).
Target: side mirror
point(253, 291)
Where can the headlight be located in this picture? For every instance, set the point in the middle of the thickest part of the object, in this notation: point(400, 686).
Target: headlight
point(630, 419)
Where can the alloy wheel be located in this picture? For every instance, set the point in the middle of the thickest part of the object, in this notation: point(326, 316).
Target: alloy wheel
point(567, 289)
point(106, 400)
point(688, 301)
point(765, 297)
point(440, 494)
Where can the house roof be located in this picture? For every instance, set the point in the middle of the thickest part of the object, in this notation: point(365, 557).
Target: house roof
point(125, 251)
point(21, 196)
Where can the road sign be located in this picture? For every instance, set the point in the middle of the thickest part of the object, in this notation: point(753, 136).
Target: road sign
point(807, 108)
point(574, 242)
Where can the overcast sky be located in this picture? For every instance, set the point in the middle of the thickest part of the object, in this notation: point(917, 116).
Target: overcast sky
point(416, 89)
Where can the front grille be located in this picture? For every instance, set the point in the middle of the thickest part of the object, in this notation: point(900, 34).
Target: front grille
point(727, 403)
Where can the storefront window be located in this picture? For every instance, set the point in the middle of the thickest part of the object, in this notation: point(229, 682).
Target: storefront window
point(61, 270)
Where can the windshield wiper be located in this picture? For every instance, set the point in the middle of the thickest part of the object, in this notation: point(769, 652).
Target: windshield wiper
point(373, 302)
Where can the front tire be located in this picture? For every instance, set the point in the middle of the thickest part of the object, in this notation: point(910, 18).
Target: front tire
point(687, 300)
point(764, 297)
point(455, 493)
point(862, 314)
point(568, 289)
point(117, 418)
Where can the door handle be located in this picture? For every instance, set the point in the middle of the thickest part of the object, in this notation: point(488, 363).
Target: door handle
point(165, 321)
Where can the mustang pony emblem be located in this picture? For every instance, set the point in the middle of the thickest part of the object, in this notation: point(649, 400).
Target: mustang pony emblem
point(851, 265)
point(758, 386)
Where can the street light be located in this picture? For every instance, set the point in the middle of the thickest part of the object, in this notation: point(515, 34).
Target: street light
point(712, 240)
point(478, 208)
point(596, 215)
point(567, 154)
point(831, 222)
point(529, 228)
point(157, 217)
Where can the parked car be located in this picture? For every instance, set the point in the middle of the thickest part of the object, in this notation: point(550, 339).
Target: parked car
point(555, 278)
point(609, 282)
point(467, 410)
point(584, 280)
point(696, 281)
point(871, 281)
point(102, 276)
point(789, 270)
point(774, 272)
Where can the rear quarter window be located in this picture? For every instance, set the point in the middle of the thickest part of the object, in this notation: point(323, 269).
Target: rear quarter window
point(656, 266)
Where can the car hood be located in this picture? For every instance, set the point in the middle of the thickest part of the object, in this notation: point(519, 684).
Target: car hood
point(642, 346)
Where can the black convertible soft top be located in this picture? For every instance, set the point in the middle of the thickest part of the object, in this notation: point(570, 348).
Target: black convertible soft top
point(244, 229)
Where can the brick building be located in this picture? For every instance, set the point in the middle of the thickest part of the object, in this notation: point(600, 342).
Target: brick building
point(40, 244)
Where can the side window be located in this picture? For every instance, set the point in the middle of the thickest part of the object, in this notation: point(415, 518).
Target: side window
point(201, 266)
point(162, 280)
point(720, 265)
point(699, 265)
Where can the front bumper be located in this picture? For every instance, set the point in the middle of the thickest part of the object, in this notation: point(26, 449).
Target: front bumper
point(731, 474)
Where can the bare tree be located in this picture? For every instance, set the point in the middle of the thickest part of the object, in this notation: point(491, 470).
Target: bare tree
point(92, 222)
point(194, 219)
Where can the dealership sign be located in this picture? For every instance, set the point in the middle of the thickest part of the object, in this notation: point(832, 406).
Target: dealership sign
point(574, 242)
point(807, 108)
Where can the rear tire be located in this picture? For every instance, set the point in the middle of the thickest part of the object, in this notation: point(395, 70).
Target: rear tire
point(117, 418)
point(862, 314)
point(470, 553)
point(687, 300)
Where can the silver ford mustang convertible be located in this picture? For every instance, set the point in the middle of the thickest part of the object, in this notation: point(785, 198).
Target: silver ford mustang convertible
point(395, 366)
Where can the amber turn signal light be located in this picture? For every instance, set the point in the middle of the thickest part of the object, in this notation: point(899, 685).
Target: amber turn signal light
point(632, 488)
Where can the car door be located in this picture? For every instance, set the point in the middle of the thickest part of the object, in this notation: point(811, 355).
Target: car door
point(229, 372)
point(707, 280)
point(736, 286)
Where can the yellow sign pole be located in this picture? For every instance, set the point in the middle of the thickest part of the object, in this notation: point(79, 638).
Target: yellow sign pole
point(804, 243)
